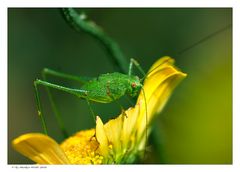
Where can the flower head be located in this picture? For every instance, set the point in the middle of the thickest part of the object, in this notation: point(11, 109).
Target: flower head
point(120, 140)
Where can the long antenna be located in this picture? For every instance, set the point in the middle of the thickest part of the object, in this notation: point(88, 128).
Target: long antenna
point(205, 39)
point(152, 70)
point(193, 45)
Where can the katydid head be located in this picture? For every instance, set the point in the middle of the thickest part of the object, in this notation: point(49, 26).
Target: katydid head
point(135, 86)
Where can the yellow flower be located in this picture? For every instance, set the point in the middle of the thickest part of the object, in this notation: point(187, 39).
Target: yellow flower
point(120, 140)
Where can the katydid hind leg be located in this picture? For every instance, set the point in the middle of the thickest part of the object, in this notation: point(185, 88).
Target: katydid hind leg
point(91, 110)
point(76, 92)
point(56, 112)
point(51, 72)
point(39, 109)
point(57, 74)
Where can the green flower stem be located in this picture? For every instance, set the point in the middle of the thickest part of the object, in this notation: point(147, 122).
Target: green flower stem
point(79, 22)
point(156, 140)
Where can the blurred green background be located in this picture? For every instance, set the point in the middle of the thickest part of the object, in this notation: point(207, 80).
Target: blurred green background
point(195, 126)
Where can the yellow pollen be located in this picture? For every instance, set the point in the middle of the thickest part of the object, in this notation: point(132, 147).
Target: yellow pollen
point(82, 148)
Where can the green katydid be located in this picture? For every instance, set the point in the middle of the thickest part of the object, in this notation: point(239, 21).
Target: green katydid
point(105, 88)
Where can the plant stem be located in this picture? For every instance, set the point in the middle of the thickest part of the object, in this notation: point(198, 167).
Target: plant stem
point(79, 22)
point(157, 141)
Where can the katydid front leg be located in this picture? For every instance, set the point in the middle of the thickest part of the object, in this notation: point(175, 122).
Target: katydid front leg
point(130, 69)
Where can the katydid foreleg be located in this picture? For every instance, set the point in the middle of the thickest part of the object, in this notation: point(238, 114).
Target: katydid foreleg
point(130, 69)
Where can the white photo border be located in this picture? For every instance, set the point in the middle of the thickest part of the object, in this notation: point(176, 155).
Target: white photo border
point(234, 4)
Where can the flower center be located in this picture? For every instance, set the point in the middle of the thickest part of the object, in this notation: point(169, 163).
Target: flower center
point(82, 148)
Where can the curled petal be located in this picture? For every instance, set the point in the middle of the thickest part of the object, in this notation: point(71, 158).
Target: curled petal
point(40, 148)
point(162, 79)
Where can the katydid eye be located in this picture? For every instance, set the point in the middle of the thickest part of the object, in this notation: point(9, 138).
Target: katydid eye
point(133, 85)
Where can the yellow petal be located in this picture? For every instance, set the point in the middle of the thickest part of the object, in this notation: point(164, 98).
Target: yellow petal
point(165, 89)
point(129, 129)
point(40, 148)
point(160, 64)
point(158, 87)
point(113, 129)
point(101, 137)
point(161, 80)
